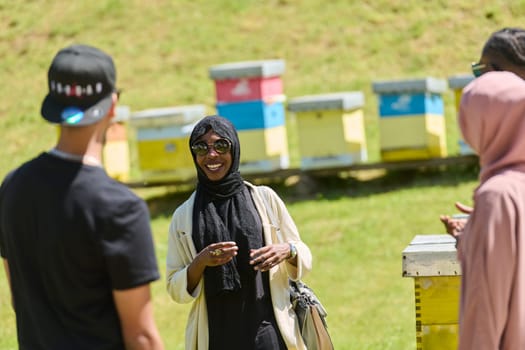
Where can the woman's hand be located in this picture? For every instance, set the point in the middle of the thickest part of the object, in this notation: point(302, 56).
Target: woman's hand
point(455, 225)
point(265, 258)
point(214, 254)
point(465, 209)
point(217, 254)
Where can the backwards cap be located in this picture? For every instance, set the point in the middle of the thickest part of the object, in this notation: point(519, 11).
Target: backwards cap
point(81, 80)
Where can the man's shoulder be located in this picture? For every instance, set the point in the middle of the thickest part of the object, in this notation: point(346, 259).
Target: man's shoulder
point(27, 166)
point(112, 191)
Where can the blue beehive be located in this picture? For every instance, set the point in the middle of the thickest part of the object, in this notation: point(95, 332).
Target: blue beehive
point(256, 114)
point(249, 94)
point(411, 119)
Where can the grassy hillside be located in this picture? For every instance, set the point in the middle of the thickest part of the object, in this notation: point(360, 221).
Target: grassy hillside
point(163, 50)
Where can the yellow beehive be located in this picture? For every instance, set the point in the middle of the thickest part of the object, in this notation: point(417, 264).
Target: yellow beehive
point(162, 137)
point(115, 154)
point(411, 119)
point(412, 137)
point(431, 261)
point(330, 129)
point(263, 150)
point(457, 83)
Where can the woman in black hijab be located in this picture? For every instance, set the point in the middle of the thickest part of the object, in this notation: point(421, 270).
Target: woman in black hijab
point(233, 259)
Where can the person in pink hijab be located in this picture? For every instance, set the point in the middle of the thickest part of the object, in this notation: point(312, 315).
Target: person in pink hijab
point(491, 247)
point(504, 50)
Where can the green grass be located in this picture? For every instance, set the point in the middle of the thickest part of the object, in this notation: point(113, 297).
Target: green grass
point(163, 50)
point(356, 232)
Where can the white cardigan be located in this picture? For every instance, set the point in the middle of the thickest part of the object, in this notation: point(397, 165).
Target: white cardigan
point(181, 252)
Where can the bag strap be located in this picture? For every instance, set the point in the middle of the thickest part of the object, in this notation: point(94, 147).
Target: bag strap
point(299, 290)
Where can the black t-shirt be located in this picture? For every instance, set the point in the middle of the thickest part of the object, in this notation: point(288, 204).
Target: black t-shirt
point(72, 235)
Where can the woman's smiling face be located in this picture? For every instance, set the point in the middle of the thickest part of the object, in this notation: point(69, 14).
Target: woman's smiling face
point(214, 165)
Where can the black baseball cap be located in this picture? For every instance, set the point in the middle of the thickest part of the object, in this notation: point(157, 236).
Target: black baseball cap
point(81, 82)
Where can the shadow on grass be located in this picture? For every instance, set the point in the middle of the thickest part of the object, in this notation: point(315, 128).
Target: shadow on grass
point(164, 205)
point(309, 188)
point(392, 180)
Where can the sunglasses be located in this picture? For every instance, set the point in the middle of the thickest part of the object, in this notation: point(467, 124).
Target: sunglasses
point(478, 68)
point(221, 146)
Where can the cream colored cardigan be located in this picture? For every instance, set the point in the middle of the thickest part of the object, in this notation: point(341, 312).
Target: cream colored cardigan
point(181, 252)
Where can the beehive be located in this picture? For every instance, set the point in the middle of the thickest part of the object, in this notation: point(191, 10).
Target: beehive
point(411, 119)
point(457, 83)
point(250, 95)
point(115, 154)
point(330, 129)
point(247, 80)
point(162, 138)
point(430, 260)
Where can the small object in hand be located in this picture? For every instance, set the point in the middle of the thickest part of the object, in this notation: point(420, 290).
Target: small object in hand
point(216, 252)
point(460, 216)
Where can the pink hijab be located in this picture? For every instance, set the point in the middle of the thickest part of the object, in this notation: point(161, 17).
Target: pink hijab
point(492, 120)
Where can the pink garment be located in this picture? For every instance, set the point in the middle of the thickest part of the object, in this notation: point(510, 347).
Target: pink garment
point(491, 118)
point(492, 247)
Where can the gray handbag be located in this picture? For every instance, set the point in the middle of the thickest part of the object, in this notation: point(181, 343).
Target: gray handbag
point(311, 315)
point(309, 311)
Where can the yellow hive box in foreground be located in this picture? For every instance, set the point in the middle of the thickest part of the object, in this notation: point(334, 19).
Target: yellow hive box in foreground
point(431, 261)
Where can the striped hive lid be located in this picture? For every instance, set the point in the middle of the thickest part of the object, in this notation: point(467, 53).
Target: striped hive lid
point(246, 69)
point(428, 84)
point(168, 115)
point(431, 255)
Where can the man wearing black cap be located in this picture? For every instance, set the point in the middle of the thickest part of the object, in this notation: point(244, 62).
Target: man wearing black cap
point(77, 245)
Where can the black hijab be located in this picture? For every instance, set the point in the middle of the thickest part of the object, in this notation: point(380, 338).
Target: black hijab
point(224, 211)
